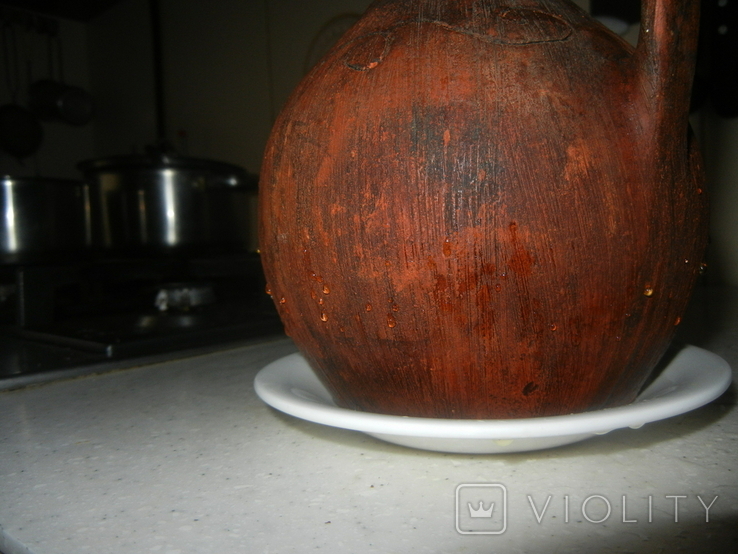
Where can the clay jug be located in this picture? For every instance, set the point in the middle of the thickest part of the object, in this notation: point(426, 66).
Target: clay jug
point(487, 208)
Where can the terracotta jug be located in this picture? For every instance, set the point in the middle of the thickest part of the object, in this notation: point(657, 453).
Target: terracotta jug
point(487, 208)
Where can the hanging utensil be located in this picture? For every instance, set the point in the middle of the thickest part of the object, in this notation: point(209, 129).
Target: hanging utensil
point(21, 133)
point(52, 99)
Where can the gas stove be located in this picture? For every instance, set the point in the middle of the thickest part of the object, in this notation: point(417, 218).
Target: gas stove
point(81, 312)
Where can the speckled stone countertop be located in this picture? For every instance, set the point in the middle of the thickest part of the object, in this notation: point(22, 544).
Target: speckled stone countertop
point(183, 457)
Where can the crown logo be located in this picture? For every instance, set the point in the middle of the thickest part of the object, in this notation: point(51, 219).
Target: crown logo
point(481, 511)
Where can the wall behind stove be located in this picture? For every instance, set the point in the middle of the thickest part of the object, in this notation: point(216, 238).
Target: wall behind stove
point(122, 78)
point(216, 80)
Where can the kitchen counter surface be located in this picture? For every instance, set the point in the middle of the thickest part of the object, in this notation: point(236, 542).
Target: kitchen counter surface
point(182, 456)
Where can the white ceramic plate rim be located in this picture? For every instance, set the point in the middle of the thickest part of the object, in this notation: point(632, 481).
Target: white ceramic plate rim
point(692, 379)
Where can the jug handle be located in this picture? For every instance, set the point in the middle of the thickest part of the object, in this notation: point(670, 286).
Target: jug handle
point(665, 61)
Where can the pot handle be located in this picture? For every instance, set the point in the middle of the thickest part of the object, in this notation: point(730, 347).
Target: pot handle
point(665, 60)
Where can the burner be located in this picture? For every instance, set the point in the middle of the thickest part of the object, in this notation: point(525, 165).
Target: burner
point(184, 296)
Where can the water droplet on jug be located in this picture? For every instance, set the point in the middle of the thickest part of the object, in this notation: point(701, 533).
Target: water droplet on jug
point(686, 261)
point(323, 316)
point(282, 300)
point(326, 290)
point(648, 291)
point(391, 321)
point(447, 247)
point(677, 321)
point(498, 287)
point(553, 327)
point(268, 290)
point(368, 307)
point(395, 308)
point(320, 301)
point(703, 268)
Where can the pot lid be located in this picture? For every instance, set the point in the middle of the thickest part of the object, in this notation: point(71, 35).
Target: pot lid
point(240, 177)
point(34, 180)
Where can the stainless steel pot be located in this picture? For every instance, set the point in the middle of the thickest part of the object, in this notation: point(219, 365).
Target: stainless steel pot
point(168, 203)
point(40, 218)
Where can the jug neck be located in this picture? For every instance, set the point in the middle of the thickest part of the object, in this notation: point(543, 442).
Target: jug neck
point(665, 61)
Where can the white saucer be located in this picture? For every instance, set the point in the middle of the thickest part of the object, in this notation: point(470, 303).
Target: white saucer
point(692, 379)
